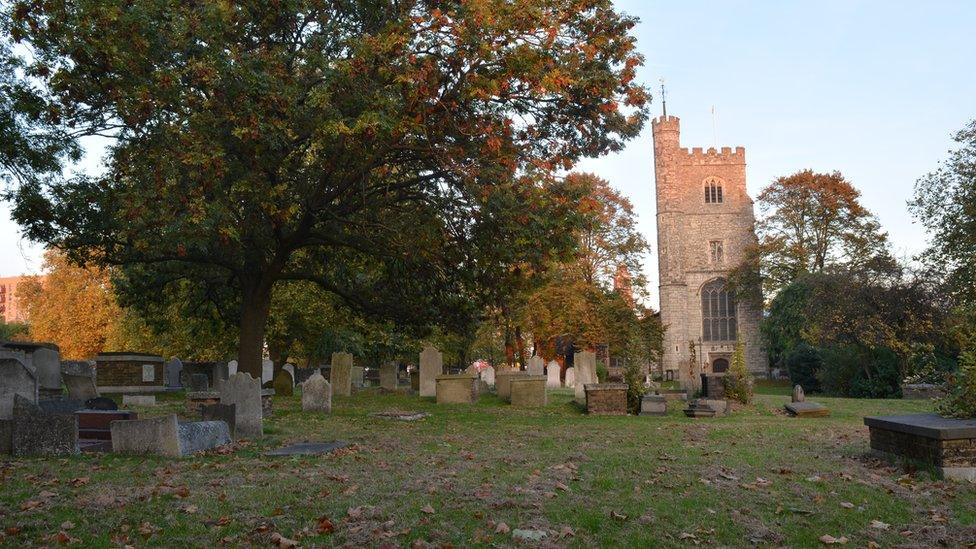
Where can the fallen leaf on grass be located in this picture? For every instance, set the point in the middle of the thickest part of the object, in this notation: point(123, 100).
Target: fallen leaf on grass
point(561, 486)
point(80, 481)
point(566, 532)
point(617, 516)
point(67, 525)
point(190, 509)
point(325, 525)
point(847, 505)
point(427, 509)
point(502, 528)
point(827, 539)
point(283, 542)
point(30, 504)
point(877, 524)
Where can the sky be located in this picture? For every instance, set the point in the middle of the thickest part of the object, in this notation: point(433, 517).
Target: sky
point(873, 89)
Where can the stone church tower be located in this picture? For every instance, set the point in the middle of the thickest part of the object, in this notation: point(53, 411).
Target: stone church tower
point(705, 224)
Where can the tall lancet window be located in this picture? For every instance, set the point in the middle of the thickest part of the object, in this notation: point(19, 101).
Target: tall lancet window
point(718, 312)
point(713, 191)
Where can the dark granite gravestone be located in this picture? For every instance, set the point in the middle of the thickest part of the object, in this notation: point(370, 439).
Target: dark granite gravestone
point(199, 383)
point(221, 412)
point(101, 403)
point(37, 433)
point(308, 449)
point(173, 371)
point(283, 384)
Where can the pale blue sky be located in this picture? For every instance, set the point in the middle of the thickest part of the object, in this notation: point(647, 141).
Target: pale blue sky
point(873, 89)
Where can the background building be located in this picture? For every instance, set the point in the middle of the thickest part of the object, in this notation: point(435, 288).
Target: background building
point(705, 225)
point(9, 309)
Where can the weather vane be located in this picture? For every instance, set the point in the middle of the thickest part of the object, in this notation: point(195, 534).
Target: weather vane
point(664, 101)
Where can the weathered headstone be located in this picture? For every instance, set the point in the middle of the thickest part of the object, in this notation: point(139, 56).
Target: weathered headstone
point(654, 405)
point(231, 367)
point(16, 379)
point(283, 384)
point(43, 359)
point(341, 375)
point(317, 395)
point(570, 377)
point(173, 368)
point(552, 375)
point(138, 400)
point(221, 371)
point(535, 366)
point(267, 371)
point(798, 395)
point(605, 398)
point(488, 376)
point(456, 389)
point(585, 365)
point(358, 374)
point(37, 433)
point(431, 366)
point(528, 391)
point(244, 392)
point(221, 412)
point(290, 368)
point(199, 383)
point(165, 436)
point(388, 375)
point(80, 387)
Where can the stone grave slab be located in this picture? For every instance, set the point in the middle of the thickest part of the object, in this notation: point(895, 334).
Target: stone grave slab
point(80, 387)
point(401, 416)
point(503, 382)
point(221, 412)
point(308, 448)
point(806, 409)
point(138, 400)
point(608, 399)
point(16, 379)
point(61, 406)
point(341, 374)
point(456, 389)
point(654, 405)
point(948, 445)
point(165, 436)
point(431, 366)
point(528, 391)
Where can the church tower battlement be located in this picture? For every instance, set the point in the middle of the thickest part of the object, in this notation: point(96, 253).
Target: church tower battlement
point(705, 225)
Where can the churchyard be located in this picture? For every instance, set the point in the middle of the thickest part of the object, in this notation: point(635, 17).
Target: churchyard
point(488, 473)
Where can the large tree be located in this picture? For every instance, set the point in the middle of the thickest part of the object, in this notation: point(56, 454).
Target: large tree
point(945, 203)
point(355, 145)
point(811, 222)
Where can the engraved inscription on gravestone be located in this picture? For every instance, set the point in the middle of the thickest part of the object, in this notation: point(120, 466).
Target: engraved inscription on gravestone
point(148, 372)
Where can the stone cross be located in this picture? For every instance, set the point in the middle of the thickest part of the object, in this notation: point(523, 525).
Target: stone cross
point(431, 366)
point(798, 395)
point(341, 374)
point(552, 375)
point(244, 392)
point(317, 395)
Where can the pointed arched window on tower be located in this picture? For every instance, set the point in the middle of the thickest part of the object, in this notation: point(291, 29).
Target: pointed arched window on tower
point(713, 191)
point(718, 312)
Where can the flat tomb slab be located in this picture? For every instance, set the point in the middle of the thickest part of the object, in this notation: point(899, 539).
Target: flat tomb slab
point(807, 409)
point(926, 425)
point(308, 448)
point(929, 439)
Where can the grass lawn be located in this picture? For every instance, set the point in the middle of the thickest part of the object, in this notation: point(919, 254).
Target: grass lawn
point(472, 475)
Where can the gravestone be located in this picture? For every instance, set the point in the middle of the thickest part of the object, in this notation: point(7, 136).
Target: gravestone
point(165, 436)
point(231, 368)
point(130, 373)
point(431, 366)
point(37, 433)
point(283, 383)
point(138, 400)
point(221, 371)
point(535, 366)
point(290, 368)
point(528, 391)
point(341, 375)
point(44, 360)
point(806, 409)
point(221, 412)
point(606, 398)
point(173, 368)
point(503, 382)
point(388, 376)
point(16, 379)
point(654, 405)
point(317, 395)
point(199, 383)
point(78, 368)
point(798, 395)
point(80, 387)
point(244, 392)
point(552, 375)
point(570, 377)
point(358, 374)
point(61, 406)
point(456, 389)
point(267, 371)
point(585, 365)
point(488, 376)
point(101, 403)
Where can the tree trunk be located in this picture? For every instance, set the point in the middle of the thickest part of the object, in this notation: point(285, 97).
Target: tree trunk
point(255, 305)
